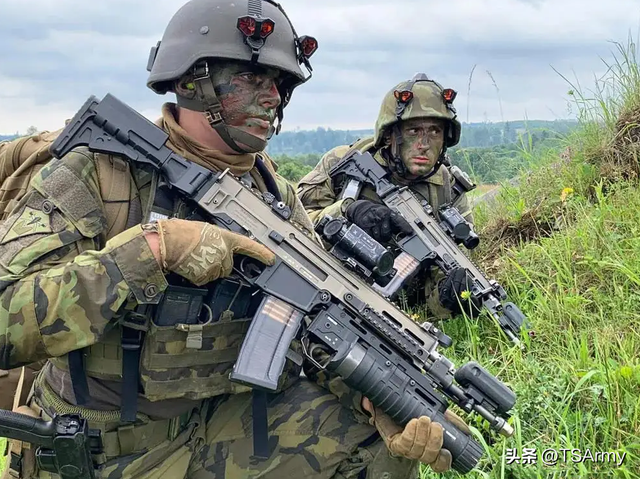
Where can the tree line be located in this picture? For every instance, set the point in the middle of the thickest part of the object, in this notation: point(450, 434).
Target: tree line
point(490, 153)
point(484, 135)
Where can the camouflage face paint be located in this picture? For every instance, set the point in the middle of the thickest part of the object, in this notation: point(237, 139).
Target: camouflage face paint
point(249, 95)
point(422, 143)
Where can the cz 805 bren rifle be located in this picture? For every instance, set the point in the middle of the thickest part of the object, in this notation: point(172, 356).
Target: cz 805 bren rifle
point(370, 343)
point(434, 241)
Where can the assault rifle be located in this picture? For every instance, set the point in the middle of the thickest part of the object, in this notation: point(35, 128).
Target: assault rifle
point(65, 443)
point(368, 341)
point(434, 241)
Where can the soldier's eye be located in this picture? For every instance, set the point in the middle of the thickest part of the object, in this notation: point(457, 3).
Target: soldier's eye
point(248, 76)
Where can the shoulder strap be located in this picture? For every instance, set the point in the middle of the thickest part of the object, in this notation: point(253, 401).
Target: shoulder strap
point(446, 187)
point(116, 189)
point(363, 144)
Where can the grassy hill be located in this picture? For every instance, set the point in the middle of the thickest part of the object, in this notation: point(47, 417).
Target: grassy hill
point(566, 244)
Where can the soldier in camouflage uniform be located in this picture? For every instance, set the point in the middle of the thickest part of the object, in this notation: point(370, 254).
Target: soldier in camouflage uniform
point(153, 376)
point(416, 124)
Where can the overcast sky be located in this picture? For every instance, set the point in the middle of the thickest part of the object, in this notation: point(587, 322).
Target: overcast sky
point(55, 53)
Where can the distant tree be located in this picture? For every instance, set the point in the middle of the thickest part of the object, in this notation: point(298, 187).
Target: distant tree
point(32, 130)
point(488, 151)
point(509, 135)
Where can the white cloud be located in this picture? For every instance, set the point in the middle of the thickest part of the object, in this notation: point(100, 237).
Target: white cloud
point(54, 54)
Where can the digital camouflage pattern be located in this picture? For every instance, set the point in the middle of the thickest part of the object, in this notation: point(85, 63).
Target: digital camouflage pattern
point(319, 195)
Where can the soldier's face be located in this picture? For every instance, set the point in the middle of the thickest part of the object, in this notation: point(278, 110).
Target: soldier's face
point(422, 142)
point(249, 96)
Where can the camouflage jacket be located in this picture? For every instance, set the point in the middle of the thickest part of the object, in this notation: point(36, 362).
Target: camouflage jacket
point(63, 286)
point(319, 195)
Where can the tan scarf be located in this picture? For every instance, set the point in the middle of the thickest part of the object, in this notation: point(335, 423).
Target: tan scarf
point(180, 142)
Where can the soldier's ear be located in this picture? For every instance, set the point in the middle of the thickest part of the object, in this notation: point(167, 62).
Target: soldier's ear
point(184, 87)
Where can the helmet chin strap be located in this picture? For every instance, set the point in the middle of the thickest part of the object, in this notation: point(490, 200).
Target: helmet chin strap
point(396, 163)
point(207, 102)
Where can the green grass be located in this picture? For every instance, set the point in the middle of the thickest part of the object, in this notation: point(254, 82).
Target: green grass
point(571, 261)
point(578, 380)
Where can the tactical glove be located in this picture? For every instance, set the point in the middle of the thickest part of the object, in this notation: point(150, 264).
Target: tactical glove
point(377, 220)
point(202, 252)
point(420, 439)
point(451, 289)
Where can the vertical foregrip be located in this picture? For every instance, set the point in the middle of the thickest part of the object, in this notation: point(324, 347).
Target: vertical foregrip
point(392, 390)
point(264, 349)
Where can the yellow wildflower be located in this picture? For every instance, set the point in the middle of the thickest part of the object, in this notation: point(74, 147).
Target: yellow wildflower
point(565, 194)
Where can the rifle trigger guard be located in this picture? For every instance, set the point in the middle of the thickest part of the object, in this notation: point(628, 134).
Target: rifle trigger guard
point(309, 353)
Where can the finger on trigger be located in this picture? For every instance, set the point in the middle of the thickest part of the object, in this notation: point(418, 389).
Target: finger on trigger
point(400, 223)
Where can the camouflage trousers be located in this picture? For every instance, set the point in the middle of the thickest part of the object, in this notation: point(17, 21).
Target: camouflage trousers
point(311, 435)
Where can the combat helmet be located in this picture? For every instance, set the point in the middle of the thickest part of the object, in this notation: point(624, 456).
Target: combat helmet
point(203, 31)
point(419, 97)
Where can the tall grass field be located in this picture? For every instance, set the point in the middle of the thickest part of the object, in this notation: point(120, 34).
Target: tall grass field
point(565, 242)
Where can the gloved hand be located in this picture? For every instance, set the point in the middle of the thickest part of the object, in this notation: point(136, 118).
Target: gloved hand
point(377, 220)
point(450, 291)
point(420, 439)
point(202, 252)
